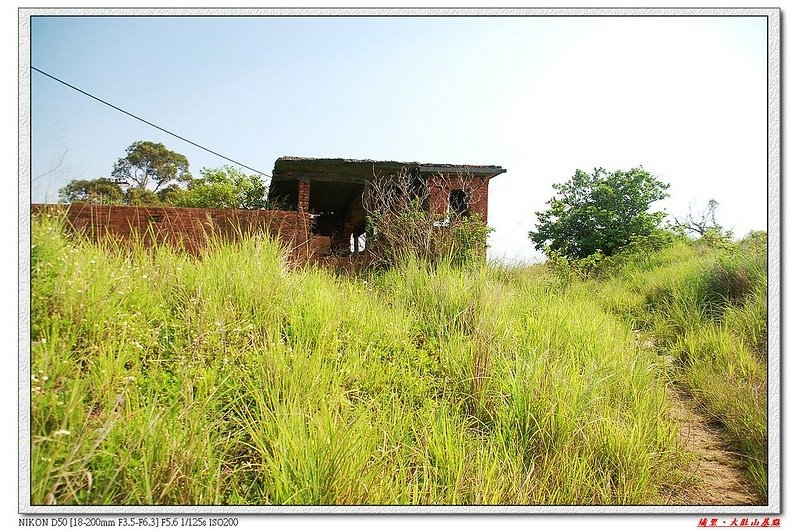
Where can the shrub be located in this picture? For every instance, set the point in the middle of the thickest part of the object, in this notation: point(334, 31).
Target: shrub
point(401, 227)
point(639, 250)
point(732, 279)
point(469, 237)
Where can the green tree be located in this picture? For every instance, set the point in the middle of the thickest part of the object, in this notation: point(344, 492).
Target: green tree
point(225, 187)
point(96, 191)
point(149, 164)
point(600, 211)
point(140, 197)
point(169, 195)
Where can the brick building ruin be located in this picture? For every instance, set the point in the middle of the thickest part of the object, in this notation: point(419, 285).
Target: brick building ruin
point(330, 191)
point(321, 211)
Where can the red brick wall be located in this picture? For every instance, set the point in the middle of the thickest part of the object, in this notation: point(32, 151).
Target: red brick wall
point(479, 198)
point(188, 228)
point(440, 188)
point(303, 195)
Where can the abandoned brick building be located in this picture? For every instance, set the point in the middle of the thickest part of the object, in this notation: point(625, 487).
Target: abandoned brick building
point(321, 211)
point(331, 191)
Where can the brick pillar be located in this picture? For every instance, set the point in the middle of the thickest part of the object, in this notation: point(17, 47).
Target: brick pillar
point(303, 194)
point(304, 224)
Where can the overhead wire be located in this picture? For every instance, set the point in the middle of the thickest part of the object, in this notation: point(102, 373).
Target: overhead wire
point(151, 124)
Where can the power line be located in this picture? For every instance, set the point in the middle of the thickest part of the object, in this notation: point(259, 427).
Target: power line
point(195, 144)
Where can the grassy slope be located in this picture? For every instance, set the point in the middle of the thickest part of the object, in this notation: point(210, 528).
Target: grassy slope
point(705, 309)
point(157, 378)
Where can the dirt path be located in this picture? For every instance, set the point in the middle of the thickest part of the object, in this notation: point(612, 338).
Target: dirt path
point(718, 477)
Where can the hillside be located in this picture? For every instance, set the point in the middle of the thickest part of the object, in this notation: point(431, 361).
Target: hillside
point(159, 378)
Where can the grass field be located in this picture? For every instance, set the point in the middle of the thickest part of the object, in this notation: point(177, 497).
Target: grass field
point(158, 378)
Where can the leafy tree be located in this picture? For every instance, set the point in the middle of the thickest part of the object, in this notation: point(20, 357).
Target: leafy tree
point(169, 195)
point(149, 163)
point(600, 211)
point(107, 192)
point(95, 191)
point(140, 197)
point(224, 187)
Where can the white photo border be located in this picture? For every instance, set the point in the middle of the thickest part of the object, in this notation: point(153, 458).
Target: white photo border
point(774, 162)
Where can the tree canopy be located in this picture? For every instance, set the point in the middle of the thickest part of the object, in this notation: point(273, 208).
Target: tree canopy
point(599, 211)
point(105, 191)
point(150, 164)
point(150, 174)
point(96, 191)
point(224, 187)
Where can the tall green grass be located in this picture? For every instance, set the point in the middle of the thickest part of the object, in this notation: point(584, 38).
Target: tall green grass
point(705, 308)
point(235, 378)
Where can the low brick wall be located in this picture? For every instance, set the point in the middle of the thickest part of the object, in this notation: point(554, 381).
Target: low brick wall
point(187, 228)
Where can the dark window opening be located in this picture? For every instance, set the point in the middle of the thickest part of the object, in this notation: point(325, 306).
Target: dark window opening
point(459, 202)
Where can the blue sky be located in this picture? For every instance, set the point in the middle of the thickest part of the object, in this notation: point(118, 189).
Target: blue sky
point(683, 97)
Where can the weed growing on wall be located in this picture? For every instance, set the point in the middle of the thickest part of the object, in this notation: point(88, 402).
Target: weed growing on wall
point(402, 226)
